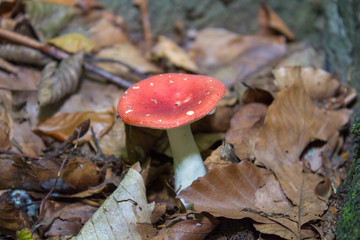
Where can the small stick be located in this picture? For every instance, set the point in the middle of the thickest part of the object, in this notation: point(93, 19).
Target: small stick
point(145, 19)
point(59, 54)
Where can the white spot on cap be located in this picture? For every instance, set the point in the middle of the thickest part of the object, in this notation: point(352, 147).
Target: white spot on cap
point(154, 100)
point(128, 111)
point(199, 102)
point(185, 79)
point(190, 113)
point(160, 120)
point(136, 87)
point(151, 84)
point(169, 76)
point(207, 93)
point(171, 81)
point(147, 115)
point(126, 92)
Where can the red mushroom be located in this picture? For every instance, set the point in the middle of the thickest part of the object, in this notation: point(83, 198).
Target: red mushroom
point(172, 101)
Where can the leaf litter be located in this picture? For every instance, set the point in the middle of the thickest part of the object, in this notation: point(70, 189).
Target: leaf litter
point(270, 147)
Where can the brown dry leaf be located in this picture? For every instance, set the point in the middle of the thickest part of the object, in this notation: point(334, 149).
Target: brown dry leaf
point(26, 79)
point(166, 48)
point(107, 34)
point(113, 142)
point(62, 218)
point(189, 229)
point(291, 123)
point(244, 127)
point(57, 81)
point(126, 214)
point(6, 126)
point(62, 125)
point(214, 160)
point(231, 57)
point(81, 174)
point(126, 53)
point(73, 43)
point(27, 140)
point(227, 191)
point(320, 85)
point(12, 219)
point(270, 23)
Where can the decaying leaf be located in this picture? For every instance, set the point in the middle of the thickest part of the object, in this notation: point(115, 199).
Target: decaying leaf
point(12, 219)
point(49, 18)
point(166, 48)
point(226, 191)
point(231, 57)
point(56, 82)
point(22, 54)
point(62, 125)
point(107, 34)
point(320, 85)
point(271, 23)
point(73, 43)
point(191, 229)
point(124, 215)
point(244, 127)
point(126, 53)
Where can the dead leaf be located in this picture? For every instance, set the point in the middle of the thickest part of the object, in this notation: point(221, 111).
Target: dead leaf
point(107, 34)
point(62, 125)
point(189, 229)
point(124, 215)
point(22, 54)
point(233, 58)
point(26, 79)
point(73, 43)
point(56, 82)
point(291, 123)
point(271, 23)
point(244, 127)
point(126, 53)
point(226, 191)
point(166, 48)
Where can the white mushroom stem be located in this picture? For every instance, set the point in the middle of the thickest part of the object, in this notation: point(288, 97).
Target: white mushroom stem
point(188, 164)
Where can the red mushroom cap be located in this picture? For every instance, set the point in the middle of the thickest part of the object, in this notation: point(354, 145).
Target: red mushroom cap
point(170, 100)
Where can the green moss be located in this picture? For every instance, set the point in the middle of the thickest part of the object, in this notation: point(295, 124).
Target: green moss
point(349, 221)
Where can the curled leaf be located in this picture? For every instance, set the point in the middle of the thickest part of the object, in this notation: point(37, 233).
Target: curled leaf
point(166, 48)
point(55, 82)
point(22, 54)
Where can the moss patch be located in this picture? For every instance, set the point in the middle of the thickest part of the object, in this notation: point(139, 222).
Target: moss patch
point(349, 221)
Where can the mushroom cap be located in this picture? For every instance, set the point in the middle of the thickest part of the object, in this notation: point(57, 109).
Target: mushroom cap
point(170, 100)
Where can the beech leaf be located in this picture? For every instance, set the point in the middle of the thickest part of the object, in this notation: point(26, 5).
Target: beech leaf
point(124, 215)
point(62, 125)
point(56, 82)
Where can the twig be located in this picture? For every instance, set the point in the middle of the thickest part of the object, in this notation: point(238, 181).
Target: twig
point(10, 153)
point(144, 15)
point(99, 153)
point(59, 54)
point(43, 201)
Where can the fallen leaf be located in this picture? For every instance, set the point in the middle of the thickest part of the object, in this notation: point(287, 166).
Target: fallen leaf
point(244, 127)
point(233, 58)
point(73, 43)
point(58, 81)
point(166, 48)
point(62, 125)
point(124, 215)
point(227, 191)
point(26, 79)
point(270, 23)
point(106, 34)
point(192, 229)
point(126, 53)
